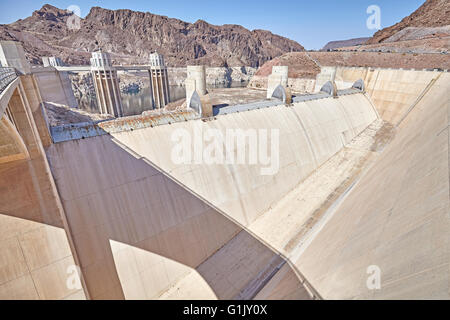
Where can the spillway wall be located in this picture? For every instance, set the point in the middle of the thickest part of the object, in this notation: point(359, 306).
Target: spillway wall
point(140, 222)
point(136, 231)
point(309, 134)
point(35, 251)
point(394, 224)
point(55, 86)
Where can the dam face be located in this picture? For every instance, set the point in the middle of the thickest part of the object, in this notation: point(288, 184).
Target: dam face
point(126, 188)
point(397, 216)
point(360, 182)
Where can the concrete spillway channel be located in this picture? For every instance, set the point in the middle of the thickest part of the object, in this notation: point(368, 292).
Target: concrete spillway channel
point(193, 221)
point(349, 191)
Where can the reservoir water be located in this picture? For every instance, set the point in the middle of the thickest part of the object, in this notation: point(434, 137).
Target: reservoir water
point(136, 103)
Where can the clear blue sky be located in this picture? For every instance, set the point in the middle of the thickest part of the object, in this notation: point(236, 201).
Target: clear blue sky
point(309, 22)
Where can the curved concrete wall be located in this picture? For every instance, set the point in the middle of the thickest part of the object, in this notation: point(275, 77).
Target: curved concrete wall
point(138, 233)
point(141, 224)
point(309, 134)
point(396, 217)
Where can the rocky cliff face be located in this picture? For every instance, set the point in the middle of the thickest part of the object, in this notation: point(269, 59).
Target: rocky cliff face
point(131, 37)
point(433, 13)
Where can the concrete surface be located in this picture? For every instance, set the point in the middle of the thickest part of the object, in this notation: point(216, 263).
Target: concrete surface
point(395, 217)
point(278, 77)
point(55, 86)
point(35, 251)
point(353, 190)
point(195, 82)
point(304, 128)
point(13, 55)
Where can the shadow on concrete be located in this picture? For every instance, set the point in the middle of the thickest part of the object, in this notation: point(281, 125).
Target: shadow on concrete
point(216, 108)
point(110, 193)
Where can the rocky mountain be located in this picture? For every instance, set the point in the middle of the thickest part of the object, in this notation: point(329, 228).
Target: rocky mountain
point(344, 43)
point(131, 37)
point(433, 13)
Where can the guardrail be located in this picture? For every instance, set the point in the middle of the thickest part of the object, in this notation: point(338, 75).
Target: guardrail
point(7, 75)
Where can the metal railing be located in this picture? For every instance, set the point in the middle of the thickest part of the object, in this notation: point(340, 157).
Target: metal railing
point(7, 75)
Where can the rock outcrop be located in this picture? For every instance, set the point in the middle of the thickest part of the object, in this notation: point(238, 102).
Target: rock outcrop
point(131, 37)
point(433, 13)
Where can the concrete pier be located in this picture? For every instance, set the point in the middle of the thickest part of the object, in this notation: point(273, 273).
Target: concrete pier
point(278, 77)
point(195, 81)
point(106, 84)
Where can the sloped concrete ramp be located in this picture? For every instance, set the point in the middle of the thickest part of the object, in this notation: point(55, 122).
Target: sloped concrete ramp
point(146, 227)
point(395, 218)
point(309, 134)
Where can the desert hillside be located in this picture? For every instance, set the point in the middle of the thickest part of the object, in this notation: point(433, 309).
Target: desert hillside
point(132, 36)
point(433, 13)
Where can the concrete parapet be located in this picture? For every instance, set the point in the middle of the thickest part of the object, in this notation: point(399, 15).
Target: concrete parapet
point(75, 132)
point(147, 121)
point(87, 130)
